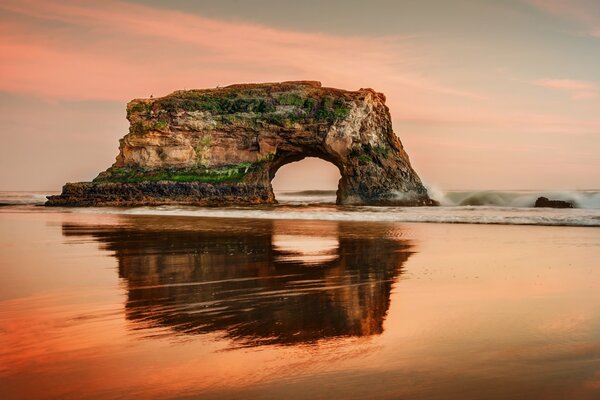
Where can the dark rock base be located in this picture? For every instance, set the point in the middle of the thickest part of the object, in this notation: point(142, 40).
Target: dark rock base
point(89, 194)
point(154, 193)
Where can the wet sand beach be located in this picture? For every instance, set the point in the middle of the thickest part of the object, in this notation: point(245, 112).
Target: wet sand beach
point(119, 306)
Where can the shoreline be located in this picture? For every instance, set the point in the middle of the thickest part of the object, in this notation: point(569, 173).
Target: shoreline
point(463, 215)
point(254, 307)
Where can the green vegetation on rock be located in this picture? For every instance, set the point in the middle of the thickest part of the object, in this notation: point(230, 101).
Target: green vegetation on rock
point(202, 150)
point(365, 159)
point(231, 173)
point(240, 106)
point(139, 127)
point(213, 103)
point(367, 153)
point(382, 150)
point(139, 107)
point(291, 99)
point(331, 109)
point(160, 125)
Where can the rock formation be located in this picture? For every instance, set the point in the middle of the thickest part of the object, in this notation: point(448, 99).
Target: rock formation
point(224, 146)
point(545, 202)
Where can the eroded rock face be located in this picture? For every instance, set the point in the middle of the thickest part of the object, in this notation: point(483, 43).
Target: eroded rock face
point(224, 146)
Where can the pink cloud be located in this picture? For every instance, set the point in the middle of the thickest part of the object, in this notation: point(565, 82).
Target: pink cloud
point(114, 50)
point(585, 12)
point(124, 50)
point(578, 90)
point(513, 121)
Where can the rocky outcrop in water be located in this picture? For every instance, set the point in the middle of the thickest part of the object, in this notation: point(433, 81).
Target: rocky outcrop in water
point(547, 203)
point(224, 146)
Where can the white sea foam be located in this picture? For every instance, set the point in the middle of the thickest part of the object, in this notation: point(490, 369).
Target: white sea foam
point(522, 198)
point(18, 198)
point(465, 215)
point(307, 197)
point(588, 199)
point(510, 208)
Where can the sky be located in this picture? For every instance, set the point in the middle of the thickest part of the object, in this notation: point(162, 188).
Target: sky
point(483, 94)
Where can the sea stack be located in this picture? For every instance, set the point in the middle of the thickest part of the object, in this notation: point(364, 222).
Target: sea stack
point(223, 146)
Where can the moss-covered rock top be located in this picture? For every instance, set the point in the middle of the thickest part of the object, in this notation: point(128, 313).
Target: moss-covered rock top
point(281, 104)
point(231, 173)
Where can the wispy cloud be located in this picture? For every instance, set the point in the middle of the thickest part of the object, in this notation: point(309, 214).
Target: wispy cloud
point(578, 90)
point(117, 50)
point(511, 121)
point(584, 12)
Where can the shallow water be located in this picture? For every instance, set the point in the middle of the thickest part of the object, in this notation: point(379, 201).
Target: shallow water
point(493, 207)
point(331, 212)
point(157, 306)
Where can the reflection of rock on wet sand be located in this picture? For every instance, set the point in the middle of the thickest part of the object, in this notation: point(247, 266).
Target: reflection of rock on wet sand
point(259, 282)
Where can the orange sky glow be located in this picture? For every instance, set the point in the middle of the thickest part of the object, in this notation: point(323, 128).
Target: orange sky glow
point(499, 97)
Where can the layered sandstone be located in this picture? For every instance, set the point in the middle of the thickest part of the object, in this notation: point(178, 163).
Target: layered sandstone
point(224, 146)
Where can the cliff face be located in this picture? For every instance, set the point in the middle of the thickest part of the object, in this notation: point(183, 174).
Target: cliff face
point(224, 146)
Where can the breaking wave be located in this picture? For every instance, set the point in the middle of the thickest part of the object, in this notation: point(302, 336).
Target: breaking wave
point(23, 198)
point(589, 199)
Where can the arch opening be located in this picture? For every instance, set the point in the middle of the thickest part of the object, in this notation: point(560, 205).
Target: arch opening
point(306, 179)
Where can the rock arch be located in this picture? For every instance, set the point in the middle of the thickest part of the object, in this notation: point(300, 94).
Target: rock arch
point(224, 145)
point(313, 176)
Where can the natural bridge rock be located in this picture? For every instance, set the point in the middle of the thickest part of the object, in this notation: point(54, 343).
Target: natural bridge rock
point(224, 146)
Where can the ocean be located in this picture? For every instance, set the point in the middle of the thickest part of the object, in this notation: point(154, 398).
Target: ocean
point(303, 299)
point(468, 207)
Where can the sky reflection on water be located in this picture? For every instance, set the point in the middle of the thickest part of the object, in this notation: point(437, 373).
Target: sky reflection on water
point(105, 306)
